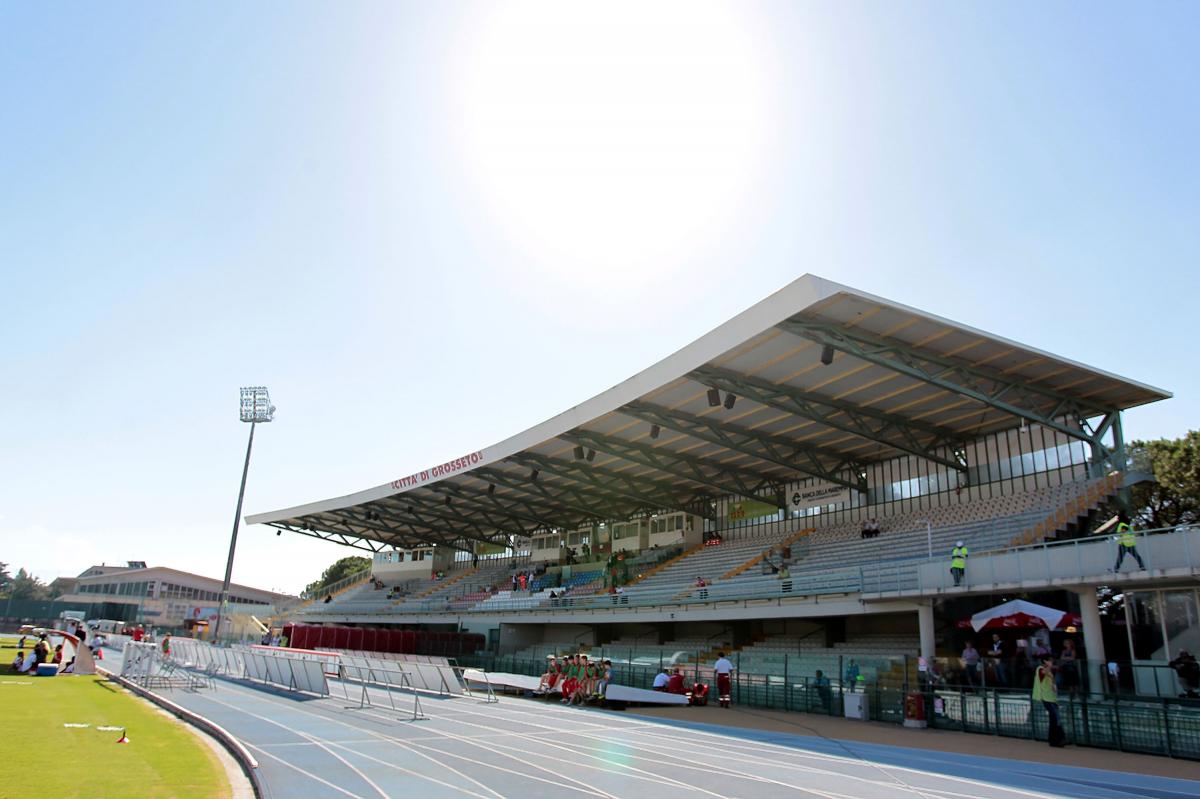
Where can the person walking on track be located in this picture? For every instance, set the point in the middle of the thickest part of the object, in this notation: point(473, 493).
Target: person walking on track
point(722, 670)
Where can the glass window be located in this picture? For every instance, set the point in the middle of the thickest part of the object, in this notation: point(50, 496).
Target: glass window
point(1145, 627)
point(1183, 622)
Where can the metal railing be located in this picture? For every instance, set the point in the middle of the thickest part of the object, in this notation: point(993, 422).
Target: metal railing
point(1043, 563)
point(332, 588)
point(1114, 720)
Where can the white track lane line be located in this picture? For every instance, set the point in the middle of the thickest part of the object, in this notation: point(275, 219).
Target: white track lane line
point(648, 727)
point(436, 762)
point(348, 765)
point(857, 760)
point(445, 735)
point(659, 779)
point(308, 774)
point(663, 752)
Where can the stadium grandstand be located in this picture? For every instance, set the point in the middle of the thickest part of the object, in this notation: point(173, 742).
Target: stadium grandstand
point(787, 489)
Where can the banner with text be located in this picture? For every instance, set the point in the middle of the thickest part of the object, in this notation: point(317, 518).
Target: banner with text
point(820, 494)
point(483, 549)
point(749, 509)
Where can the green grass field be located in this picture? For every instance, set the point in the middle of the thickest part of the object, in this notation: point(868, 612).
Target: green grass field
point(41, 757)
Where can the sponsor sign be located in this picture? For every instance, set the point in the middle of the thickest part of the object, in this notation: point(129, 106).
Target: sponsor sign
point(482, 548)
point(749, 509)
point(441, 470)
point(820, 494)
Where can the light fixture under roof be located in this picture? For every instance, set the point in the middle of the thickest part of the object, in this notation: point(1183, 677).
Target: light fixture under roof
point(827, 354)
point(655, 430)
point(714, 398)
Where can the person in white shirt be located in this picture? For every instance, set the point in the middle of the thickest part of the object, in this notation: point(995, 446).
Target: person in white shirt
point(661, 680)
point(722, 670)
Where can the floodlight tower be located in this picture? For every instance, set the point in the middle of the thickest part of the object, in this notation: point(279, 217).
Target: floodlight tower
point(255, 407)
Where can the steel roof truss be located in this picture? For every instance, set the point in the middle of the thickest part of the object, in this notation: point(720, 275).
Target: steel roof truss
point(721, 477)
point(893, 431)
point(337, 538)
point(514, 508)
point(986, 386)
point(763, 446)
point(606, 480)
point(437, 510)
point(559, 496)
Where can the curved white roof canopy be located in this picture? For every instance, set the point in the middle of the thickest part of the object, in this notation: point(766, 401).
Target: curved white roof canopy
point(900, 381)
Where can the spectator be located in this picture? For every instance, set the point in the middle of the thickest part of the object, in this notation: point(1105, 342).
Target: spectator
point(853, 675)
point(21, 642)
point(675, 683)
point(624, 600)
point(41, 652)
point(1067, 675)
point(328, 598)
point(139, 633)
point(865, 532)
point(958, 562)
point(1126, 544)
point(702, 586)
point(821, 686)
point(998, 655)
point(660, 680)
point(1188, 669)
point(166, 645)
point(875, 528)
point(18, 662)
point(550, 677)
point(1044, 691)
point(605, 678)
point(785, 579)
point(970, 659)
point(58, 654)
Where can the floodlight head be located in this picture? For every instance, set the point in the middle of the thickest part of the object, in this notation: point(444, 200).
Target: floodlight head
point(256, 404)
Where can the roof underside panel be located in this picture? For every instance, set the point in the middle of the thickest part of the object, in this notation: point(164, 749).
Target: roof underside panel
point(753, 405)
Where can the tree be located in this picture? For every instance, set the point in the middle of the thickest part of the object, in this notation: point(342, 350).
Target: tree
point(5, 579)
point(1174, 497)
point(340, 570)
point(26, 586)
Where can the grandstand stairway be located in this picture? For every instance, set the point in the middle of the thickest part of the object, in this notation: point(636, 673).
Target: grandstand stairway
point(1067, 518)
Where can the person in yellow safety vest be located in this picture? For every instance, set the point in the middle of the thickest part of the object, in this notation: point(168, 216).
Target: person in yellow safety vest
point(1126, 544)
point(958, 561)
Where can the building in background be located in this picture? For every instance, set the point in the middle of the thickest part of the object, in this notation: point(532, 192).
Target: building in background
point(168, 598)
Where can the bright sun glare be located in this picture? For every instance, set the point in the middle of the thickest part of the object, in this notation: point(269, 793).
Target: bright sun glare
point(616, 137)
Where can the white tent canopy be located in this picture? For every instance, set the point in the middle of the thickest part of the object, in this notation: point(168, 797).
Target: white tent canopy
point(1049, 616)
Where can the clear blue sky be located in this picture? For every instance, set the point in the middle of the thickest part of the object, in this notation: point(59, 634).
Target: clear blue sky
point(426, 226)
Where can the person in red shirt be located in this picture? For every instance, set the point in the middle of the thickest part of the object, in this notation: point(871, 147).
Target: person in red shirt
point(675, 682)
